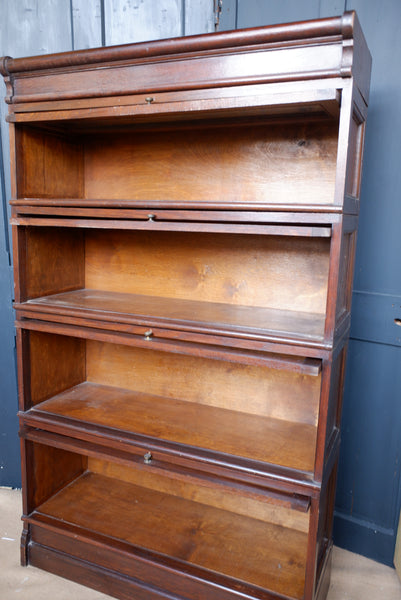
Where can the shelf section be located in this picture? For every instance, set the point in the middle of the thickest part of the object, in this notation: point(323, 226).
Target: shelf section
point(243, 548)
point(187, 315)
point(250, 211)
point(220, 430)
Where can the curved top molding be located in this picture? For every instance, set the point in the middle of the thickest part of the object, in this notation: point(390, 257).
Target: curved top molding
point(336, 26)
point(319, 49)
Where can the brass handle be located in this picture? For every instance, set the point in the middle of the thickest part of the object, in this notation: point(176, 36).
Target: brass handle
point(147, 458)
point(151, 217)
point(149, 99)
point(148, 334)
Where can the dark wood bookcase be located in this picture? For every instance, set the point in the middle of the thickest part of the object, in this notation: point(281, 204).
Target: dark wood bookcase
point(184, 218)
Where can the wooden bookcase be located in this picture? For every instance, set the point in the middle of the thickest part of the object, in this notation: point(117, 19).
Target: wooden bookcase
point(184, 216)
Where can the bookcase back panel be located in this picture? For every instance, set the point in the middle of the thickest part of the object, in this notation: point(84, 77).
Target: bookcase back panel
point(260, 505)
point(279, 272)
point(258, 162)
point(273, 162)
point(256, 390)
point(266, 271)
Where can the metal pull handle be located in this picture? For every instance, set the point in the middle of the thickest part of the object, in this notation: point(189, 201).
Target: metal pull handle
point(148, 334)
point(147, 458)
point(151, 217)
point(149, 99)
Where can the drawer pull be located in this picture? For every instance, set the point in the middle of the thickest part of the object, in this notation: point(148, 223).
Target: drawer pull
point(151, 217)
point(148, 334)
point(147, 458)
point(149, 99)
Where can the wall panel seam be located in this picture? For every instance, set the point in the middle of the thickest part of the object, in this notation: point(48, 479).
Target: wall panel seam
point(72, 26)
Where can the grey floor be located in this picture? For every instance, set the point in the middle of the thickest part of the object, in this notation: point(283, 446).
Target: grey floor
point(353, 577)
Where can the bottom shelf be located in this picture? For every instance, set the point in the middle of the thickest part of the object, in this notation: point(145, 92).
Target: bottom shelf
point(173, 527)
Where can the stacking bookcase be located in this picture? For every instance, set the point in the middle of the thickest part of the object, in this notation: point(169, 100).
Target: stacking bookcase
point(184, 218)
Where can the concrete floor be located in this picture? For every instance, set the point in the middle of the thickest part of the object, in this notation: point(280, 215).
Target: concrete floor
point(353, 577)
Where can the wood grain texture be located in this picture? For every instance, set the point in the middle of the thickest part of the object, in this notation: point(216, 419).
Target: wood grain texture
point(237, 350)
point(54, 261)
point(149, 225)
point(165, 74)
point(49, 470)
point(259, 553)
point(312, 220)
point(356, 137)
point(140, 578)
point(48, 165)
point(277, 35)
point(266, 163)
point(249, 389)
point(265, 102)
point(231, 432)
point(313, 99)
point(238, 501)
point(185, 315)
point(261, 271)
point(56, 364)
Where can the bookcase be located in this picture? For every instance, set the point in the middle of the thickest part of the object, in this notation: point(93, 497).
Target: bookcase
point(184, 219)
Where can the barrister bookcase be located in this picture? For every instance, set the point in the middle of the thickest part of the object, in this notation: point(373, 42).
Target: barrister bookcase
point(184, 219)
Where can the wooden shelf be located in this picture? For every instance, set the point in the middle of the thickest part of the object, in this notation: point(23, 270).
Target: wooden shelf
point(231, 432)
point(240, 547)
point(233, 211)
point(187, 315)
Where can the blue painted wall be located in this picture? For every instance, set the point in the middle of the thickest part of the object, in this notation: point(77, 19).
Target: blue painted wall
point(369, 488)
point(9, 447)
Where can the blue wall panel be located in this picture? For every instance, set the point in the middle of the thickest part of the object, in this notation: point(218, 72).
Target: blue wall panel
point(252, 13)
point(368, 489)
point(9, 447)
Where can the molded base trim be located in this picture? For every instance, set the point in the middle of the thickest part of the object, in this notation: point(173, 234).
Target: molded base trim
point(98, 578)
point(118, 572)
